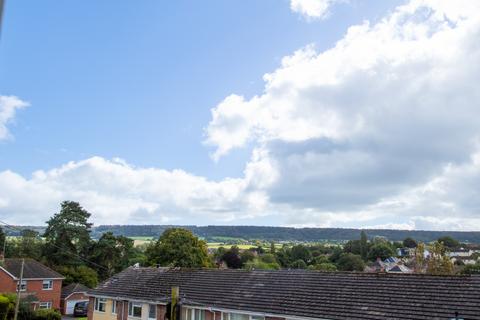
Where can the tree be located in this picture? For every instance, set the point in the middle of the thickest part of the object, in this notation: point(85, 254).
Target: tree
point(363, 245)
point(272, 247)
point(419, 257)
point(298, 264)
point(439, 262)
point(350, 262)
point(68, 235)
point(258, 264)
point(3, 238)
point(323, 267)
point(80, 274)
point(353, 246)
point(232, 258)
point(300, 252)
point(380, 250)
point(449, 242)
point(112, 253)
point(246, 255)
point(471, 269)
point(409, 243)
point(29, 246)
point(178, 247)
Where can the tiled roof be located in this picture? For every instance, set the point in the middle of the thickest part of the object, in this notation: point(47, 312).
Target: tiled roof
point(72, 288)
point(302, 293)
point(32, 269)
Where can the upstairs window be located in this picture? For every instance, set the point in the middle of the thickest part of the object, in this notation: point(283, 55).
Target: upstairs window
point(240, 316)
point(22, 286)
point(47, 285)
point(135, 309)
point(100, 304)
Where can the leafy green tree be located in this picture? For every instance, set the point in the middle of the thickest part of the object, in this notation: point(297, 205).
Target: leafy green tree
point(326, 266)
point(29, 245)
point(246, 256)
point(178, 247)
point(68, 235)
point(3, 238)
point(439, 262)
point(380, 250)
point(449, 242)
point(471, 269)
point(350, 262)
point(272, 247)
point(363, 245)
point(268, 258)
point(79, 274)
point(353, 246)
point(409, 243)
point(300, 252)
point(112, 253)
point(298, 264)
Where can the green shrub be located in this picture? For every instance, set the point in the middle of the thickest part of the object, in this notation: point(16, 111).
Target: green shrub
point(4, 306)
point(47, 314)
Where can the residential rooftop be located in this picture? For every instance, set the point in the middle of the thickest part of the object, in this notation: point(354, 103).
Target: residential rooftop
point(304, 293)
point(31, 270)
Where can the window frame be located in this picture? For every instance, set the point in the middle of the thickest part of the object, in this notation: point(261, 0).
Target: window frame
point(49, 284)
point(47, 303)
point(131, 307)
point(114, 307)
point(98, 302)
point(150, 306)
point(22, 286)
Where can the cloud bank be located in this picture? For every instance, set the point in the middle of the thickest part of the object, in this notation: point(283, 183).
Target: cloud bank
point(380, 130)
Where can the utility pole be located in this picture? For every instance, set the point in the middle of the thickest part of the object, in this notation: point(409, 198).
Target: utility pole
point(173, 309)
point(19, 289)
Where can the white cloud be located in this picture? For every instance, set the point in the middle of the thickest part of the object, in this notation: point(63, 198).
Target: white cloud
point(117, 192)
point(316, 9)
point(380, 130)
point(8, 107)
point(384, 111)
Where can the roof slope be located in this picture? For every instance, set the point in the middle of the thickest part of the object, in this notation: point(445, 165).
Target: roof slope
point(32, 269)
point(73, 288)
point(302, 293)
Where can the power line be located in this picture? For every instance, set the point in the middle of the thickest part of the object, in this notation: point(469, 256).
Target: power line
point(53, 244)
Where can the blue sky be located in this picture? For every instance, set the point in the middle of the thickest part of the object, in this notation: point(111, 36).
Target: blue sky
point(137, 80)
point(121, 96)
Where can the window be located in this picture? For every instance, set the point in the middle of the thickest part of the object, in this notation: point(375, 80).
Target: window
point(239, 316)
point(114, 307)
point(23, 286)
point(47, 285)
point(152, 311)
point(194, 314)
point(100, 304)
point(135, 309)
point(45, 305)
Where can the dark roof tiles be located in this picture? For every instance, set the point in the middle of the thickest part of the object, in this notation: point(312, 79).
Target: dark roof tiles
point(32, 269)
point(302, 293)
point(73, 288)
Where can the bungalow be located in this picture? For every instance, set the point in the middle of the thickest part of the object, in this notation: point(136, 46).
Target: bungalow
point(215, 294)
point(41, 284)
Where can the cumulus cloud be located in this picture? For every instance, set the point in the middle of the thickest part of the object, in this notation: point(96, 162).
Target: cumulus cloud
point(8, 107)
point(385, 111)
point(118, 192)
point(315, 9)
point(379, 130)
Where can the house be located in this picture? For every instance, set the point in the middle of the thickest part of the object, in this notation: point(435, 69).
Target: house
point(460, 252)
point(71, 294)
point(391, 264)
point(213, 294)
point(41, 284)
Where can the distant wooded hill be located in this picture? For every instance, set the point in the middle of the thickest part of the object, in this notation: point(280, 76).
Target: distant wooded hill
point(277, 233)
